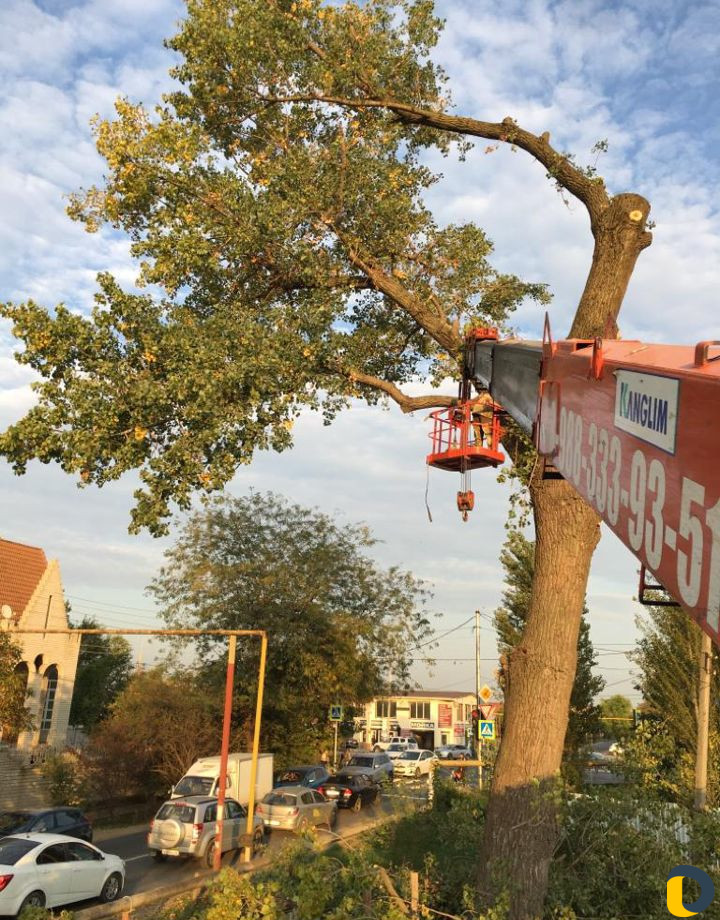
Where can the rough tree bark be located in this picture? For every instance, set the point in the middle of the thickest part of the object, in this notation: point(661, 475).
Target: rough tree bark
point(521, 828)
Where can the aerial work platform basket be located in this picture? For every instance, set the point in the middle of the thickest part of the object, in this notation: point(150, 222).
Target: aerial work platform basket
point(467, 435)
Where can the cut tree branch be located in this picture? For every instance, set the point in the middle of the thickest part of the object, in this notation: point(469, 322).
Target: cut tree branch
point(406, 403)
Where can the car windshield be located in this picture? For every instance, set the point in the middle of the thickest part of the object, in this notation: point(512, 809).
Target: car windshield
point(280, 798)
point(14, 848)
point(181, 812)
point(396, 747)
point(410, 755)
point(361, 762)
point(292, 776)
point(195, 785)
point(12, 819)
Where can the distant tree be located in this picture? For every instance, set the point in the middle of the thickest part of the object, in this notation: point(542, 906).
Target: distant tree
point(518, 560)
point(668, 659)
point(14, 715)
point(158, 725)
point(616, 714)
point(104, 667)
point(341, 628)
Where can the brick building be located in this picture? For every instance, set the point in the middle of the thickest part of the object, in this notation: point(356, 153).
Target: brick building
point(31, 597)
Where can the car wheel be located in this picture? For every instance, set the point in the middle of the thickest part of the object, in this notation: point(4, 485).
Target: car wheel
point(112, 888)
point(34, 899)
point(357, 804)
point(159, 857)
point(417, 772)
point(210, 854)
point(258, 839)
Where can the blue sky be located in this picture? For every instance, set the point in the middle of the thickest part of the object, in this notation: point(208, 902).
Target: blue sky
point(642, 76)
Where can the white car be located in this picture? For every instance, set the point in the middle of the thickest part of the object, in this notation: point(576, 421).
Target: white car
point(47, 870)
point(397, 748)
point(414, 763)
point(397, 741)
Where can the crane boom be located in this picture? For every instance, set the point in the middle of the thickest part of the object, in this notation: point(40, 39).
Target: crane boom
point(635, 429)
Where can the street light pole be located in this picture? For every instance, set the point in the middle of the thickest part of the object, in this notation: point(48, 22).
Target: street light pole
point(224, 750)
point(478, 742)
point(703, 722)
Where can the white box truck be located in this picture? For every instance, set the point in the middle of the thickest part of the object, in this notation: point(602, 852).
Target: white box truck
point(203, 776)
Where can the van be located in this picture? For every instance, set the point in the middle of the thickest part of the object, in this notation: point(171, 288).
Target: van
point(203, 778)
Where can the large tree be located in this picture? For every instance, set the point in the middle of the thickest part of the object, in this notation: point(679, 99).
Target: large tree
point(341, 629)
point(105, 664)
point(518, 560)
point(275, 201)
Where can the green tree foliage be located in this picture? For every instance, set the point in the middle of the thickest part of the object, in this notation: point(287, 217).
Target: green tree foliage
point(617, 715)
point(294, 260)
point(340, 628)
point(14, 715)
point(104, 667)
point(518, 560)
point(159, 724)
point(668, 659)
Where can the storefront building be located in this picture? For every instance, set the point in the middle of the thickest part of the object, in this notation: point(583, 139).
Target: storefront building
point(432, 717)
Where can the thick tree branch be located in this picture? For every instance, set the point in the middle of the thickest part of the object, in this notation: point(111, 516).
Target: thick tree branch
point(406, 403)
point(591, 191)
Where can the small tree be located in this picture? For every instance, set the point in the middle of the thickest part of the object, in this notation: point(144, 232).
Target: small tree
point(518, 560)
point(617, 715)
point(14, 715)
point(160, 723)
point(105, 664)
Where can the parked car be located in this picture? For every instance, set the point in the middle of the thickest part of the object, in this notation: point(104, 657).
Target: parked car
point(188, 827)
point(310, 776)
point(70, 822)
point(48, 870)
point(453, 752)
point(403, 741)
point(296, 808)
point(351, 743)
point(377, 765)
point(399, 746)
point(351, 790)
point(414, 763)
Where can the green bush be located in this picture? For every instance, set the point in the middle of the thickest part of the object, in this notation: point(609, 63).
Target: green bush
point(63, 773)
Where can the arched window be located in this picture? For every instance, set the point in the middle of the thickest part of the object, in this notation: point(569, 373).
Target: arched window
point(50, 682)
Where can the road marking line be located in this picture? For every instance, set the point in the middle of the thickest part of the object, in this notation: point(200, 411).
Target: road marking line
point(131, 858)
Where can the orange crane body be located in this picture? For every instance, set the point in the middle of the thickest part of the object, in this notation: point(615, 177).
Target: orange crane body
point(635, 428)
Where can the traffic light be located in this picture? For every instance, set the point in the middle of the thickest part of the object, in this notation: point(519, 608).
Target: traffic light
point(475, 723)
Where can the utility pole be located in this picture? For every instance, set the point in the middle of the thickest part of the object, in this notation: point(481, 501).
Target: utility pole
point(703, 722)
point(478, 740)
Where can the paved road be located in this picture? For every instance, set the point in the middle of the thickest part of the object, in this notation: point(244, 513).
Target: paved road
point(144, 874)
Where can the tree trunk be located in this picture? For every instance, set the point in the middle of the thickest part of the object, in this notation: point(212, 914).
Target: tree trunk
point(521, 826)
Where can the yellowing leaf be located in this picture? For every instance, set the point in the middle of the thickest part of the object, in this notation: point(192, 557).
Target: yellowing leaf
point(140, 432)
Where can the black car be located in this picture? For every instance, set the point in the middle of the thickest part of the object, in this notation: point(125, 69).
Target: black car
point(351, 790)
point(63, 820)
point(310, 775)
point(352, 743)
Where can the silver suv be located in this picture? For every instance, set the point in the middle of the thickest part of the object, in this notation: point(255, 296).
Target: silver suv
point(187, 827)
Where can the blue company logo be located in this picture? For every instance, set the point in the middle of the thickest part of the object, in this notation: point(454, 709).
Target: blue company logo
point(675, 903)
point(642, 409)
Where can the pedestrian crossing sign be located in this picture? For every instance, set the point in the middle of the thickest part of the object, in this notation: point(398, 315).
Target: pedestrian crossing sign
point(336, 713)
point(487, 730)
